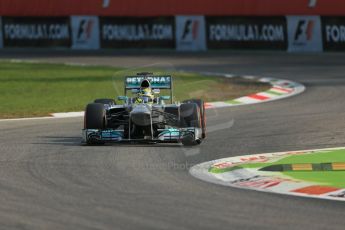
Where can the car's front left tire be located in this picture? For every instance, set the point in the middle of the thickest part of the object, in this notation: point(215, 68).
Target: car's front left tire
point(94, 118)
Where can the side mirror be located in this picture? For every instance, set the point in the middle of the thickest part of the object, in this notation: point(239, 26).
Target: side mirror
point(122, 98)
point(164, 98)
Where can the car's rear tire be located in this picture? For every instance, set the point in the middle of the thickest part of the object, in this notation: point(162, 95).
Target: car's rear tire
point(95, 118)
point(105, 101)
point(201, 105)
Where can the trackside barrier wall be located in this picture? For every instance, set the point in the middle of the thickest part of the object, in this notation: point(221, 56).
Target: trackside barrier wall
point(159, 8)
point(293, 33)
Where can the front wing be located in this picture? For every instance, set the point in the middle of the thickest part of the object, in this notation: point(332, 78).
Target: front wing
point(165, 136)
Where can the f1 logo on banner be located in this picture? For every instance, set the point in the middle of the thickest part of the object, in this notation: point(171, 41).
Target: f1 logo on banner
point(85, 32)
point(190, 33)
point(304, 33)
point(190, 30)
point(304, 28)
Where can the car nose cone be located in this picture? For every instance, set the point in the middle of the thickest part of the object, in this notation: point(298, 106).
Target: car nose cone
point(141, 115)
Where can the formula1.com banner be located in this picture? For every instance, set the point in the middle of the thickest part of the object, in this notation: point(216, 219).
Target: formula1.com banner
point(36, 31)
point(137, 32)
point(333, 33)
point(246, 33)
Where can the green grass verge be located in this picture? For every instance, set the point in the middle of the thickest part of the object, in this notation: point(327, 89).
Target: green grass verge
point(37, 89)
point(332, 178)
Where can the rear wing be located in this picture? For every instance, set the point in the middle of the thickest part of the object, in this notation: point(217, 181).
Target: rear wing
point(156, 81)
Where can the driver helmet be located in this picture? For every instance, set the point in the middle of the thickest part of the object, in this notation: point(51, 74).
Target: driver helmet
point(145, 92)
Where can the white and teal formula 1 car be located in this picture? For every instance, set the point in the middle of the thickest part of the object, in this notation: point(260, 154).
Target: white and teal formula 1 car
point(145, 117)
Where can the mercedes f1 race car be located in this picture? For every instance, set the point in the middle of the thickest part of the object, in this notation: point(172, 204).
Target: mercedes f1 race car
point(145, 116)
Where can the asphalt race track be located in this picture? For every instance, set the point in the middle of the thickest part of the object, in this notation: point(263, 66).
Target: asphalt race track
point(49, 181)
